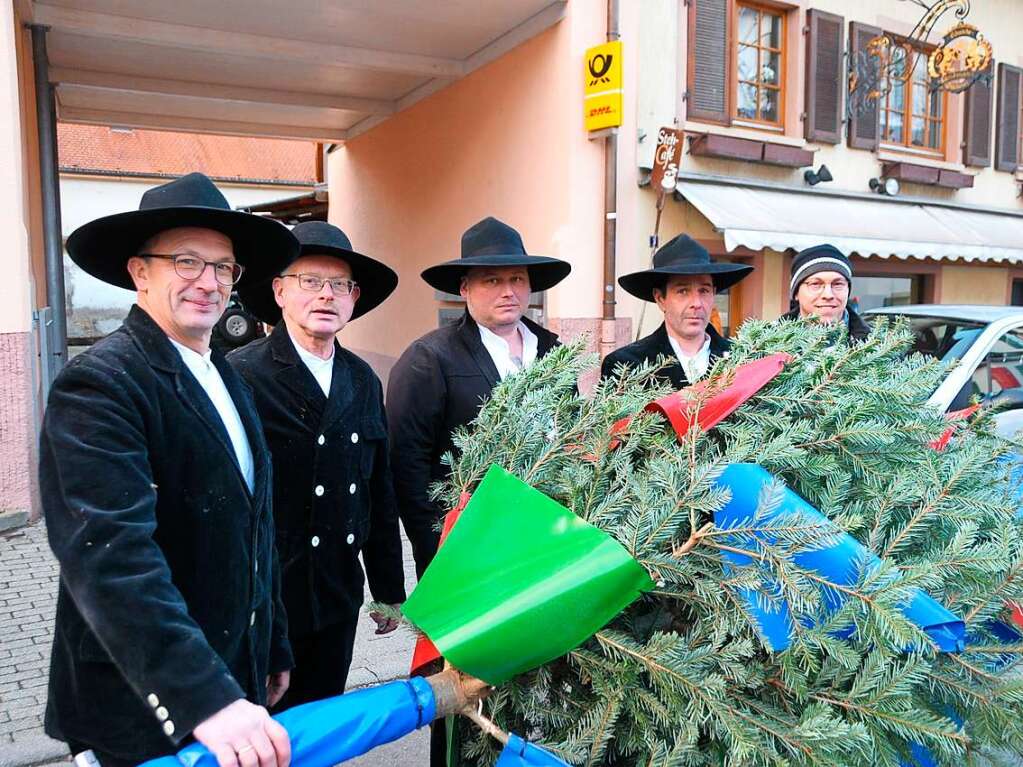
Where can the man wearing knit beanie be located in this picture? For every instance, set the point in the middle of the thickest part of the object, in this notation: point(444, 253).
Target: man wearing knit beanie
point(820, 285)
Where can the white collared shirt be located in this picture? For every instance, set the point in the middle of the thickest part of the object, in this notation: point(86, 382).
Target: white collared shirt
point(322, 369)
point(499, 352)
point(695, 366)
point(209, 379)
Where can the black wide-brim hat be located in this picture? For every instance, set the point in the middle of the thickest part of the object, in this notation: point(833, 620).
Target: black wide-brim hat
point(102, 247)
point(375, 279)
point(682, 255)
point(493, 243)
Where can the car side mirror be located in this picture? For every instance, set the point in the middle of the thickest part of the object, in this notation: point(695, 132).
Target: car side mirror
point(1007, 399)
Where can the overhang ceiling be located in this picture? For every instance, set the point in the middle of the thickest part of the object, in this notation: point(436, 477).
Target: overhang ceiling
point(316, 69)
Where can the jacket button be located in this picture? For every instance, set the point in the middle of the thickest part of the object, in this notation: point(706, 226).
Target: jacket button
point(351, 489)
point(168, 728)
point(255, 567)
point(350, 539)
point(315, 541)
point(252, 618)
point(318, 490)
point(320, 440)
point(355, 437)
point(161, 714)
point(153, 700)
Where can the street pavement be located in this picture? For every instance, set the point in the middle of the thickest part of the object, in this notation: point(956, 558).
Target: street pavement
point(28, 590)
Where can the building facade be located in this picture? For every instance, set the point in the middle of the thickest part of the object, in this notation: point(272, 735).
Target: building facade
point(764, 94)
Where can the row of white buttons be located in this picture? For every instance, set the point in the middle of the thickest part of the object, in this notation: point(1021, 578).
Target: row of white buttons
point(316, 540)
point(161, 712)
point(322, 439)
point(319, 489)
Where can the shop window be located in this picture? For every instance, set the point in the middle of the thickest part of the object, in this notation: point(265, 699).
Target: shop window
point(875, 292)
point(913, 114)
point(1017, 293)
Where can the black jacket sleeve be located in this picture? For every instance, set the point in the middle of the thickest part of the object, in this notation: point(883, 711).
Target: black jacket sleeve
point(416, 401)
point(281, 657)
point(381, 554)
point(99, 500)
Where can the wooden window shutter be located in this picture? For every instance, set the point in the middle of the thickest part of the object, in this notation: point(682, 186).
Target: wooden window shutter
point(1007, 146)
point(864, 124)
point(708, 58)
point(825, 77)
point(977, 124)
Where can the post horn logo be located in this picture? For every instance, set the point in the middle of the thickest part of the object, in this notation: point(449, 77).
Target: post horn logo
point(599, 66)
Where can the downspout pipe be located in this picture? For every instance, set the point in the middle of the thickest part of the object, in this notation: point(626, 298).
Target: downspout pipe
point(49, 182)
point(607, 329)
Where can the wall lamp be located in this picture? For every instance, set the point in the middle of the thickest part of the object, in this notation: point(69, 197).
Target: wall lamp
point(886, 186)
point(814, 177)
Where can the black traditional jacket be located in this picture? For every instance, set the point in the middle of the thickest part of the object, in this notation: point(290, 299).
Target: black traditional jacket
point(437, 385)
point(169, 605)
point(332, 483)
point(655, 345)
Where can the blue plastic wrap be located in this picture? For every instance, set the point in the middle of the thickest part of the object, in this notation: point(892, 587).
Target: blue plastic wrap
point(327, 732)
point(519, 753)
point(841, 560)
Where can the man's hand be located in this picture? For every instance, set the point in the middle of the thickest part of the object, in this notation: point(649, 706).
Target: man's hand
point(243, 735)
point(276, 686)
point(385, 625)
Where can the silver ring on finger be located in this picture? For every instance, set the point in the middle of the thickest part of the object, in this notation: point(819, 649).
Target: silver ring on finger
point(243, 749)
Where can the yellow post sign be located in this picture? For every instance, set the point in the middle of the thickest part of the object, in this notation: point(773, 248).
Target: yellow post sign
point(602, 102)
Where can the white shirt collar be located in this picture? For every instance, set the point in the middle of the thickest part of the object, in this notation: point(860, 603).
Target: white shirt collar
point(197, 363)
point(499, 352)
point(696, 365)
point(209, 378)
point(322, 369)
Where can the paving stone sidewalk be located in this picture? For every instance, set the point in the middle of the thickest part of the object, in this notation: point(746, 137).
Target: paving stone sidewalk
point(28, 590)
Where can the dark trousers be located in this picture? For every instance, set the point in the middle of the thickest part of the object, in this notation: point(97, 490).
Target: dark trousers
point(321, 668)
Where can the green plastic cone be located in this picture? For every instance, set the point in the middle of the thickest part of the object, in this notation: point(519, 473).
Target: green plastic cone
point(519, 581)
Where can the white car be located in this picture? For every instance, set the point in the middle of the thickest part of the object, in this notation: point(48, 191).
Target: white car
point(984, 345)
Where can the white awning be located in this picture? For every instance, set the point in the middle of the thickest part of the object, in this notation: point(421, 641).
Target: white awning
point(759, 218)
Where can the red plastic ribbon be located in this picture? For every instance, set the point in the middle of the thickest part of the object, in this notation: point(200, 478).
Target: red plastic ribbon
point(942, 442)
point(684, 407)
point(425, 652)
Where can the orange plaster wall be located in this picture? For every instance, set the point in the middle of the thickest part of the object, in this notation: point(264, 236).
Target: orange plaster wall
point(508, 141)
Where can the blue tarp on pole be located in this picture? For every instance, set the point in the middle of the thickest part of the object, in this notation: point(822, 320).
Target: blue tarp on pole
point(327, 732)
point(841, 560)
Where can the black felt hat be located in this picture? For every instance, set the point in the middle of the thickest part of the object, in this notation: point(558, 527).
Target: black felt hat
point(376, 280)
point(682, 255)
point(102, 247)
point(493, 243)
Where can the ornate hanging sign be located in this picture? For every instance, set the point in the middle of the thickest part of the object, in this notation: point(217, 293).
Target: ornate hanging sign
point(962, 58)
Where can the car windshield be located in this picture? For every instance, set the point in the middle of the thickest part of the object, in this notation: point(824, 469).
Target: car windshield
point(944, 338)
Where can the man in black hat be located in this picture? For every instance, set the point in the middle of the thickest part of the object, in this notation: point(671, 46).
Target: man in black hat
point(819, 289)
point(154, 479)
point(441, 380)
point(682, 282)
point(322, 409)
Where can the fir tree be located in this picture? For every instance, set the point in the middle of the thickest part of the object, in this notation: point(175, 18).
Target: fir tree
point(683, 677)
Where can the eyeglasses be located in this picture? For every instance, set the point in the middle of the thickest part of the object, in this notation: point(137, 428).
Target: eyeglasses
point(341, 286)
point(189, 267)
point(816, 287)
